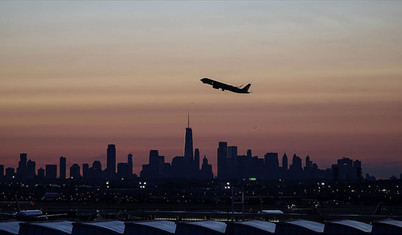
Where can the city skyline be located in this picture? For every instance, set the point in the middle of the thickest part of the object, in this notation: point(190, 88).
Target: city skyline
point(77, 76)
point(190, 153)
point(230, 165)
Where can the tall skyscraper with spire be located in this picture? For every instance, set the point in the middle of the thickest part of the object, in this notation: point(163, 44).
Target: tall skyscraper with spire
point(188, 142)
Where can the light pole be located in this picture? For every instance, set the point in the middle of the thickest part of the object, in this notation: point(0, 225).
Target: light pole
point(227, 186)
point(142, 189)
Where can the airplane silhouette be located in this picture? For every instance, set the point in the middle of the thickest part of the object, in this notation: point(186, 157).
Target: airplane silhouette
point(224, 86)
point(28, 215)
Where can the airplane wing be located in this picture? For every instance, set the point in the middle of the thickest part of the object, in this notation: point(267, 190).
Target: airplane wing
point(217, 85)
point(56, 215)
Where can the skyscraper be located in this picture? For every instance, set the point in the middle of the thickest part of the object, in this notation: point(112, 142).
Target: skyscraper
point(197, 159)
point(130, 164)
point(75, 171)
point(9, 173)
point(309, 163)
point(122, 170)
point(85, 170)
point(296, 169)
point(22, 166)
point(156, 167)
point(285, 162)
point(188, 143)
point(271, 165)
point(357, 165)
point(296, 163)
point(222, 155)
point(249, 153)
point(41, 172)
point(51, 171)
point(347, 170)
point(271, 161)
point(63, 167)
point(111, 160)
point(31, 169)
point(232, 152)
point(206, 170)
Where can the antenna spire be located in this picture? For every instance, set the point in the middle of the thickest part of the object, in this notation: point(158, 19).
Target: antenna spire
point(188, 119)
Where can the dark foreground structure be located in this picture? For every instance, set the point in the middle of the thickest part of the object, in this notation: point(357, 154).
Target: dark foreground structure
point(207, 227)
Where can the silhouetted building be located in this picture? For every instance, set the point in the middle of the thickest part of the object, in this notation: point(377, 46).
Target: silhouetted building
point(231, 161)
point(357, 165)
point(1, 171)
point(31, 169)
point(51, 171)
point(222, 165)
point(249, 153)
point(10, 173)
point(309, 163)
point(22, 166)
point(249, 167)
point(75, 171)
point(232, 152)
point(206, 170)
point(130, 164)
point(271, 165)
point(177, 168)
point(156, 169)
point(182, 167)
point(311, 170)
point(197, 159)
point(63, 168)
point(369, 178)
point(97, 165)
point(347, 170)
point(232, 166)
point(296, 168)
point(111, 160)
point(296, 163)
point(41, 173)
point(85, 170)
point(285, 162)
point(188, 143)
point(122, 170)
point(190, 166)
point(95, 172)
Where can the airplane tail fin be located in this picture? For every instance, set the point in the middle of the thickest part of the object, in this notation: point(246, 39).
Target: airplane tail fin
point(245, 89)
point(17, 203)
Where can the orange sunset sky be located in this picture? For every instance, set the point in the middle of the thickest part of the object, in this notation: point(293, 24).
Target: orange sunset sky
point(326, 80)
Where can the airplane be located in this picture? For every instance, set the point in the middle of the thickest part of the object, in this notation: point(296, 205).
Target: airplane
point(28, 215)
point(223, 86)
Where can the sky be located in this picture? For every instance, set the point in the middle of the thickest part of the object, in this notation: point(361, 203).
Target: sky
point(326, 80)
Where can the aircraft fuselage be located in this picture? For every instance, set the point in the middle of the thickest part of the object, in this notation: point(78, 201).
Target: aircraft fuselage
point(224, 86)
